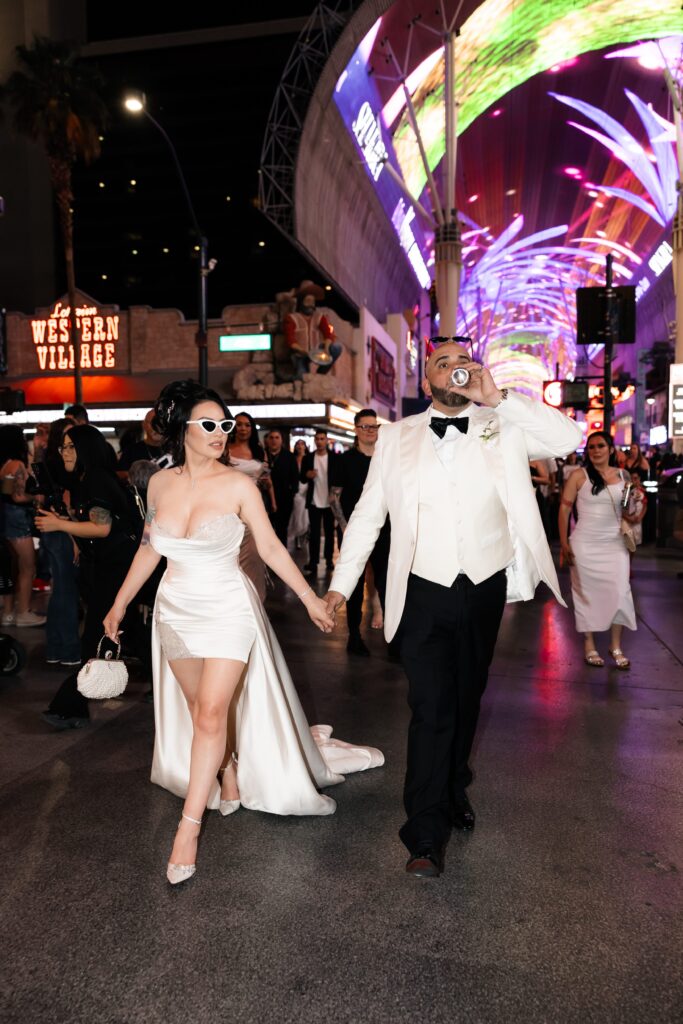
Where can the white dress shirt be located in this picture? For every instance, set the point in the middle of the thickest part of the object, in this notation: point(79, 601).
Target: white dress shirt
point(321, 491)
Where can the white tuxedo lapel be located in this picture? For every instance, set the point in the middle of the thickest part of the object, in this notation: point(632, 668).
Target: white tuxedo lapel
point(412, 438)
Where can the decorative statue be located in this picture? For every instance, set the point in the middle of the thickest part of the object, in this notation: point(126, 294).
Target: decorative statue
point(309, 333)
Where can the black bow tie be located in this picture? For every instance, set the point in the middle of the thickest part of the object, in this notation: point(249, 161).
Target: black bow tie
point(441, 424)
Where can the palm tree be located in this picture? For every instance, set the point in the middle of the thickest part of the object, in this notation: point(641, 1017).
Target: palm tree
point(56, 100)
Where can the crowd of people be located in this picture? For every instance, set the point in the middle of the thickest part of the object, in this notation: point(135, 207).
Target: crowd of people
point(170, 542)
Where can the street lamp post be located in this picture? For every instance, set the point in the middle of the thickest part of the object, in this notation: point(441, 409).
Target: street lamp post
point(135, 104)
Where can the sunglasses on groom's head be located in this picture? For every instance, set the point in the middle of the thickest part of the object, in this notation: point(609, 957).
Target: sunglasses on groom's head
point(459, 339)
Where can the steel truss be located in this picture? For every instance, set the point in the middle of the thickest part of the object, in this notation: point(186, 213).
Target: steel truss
point(288, 112)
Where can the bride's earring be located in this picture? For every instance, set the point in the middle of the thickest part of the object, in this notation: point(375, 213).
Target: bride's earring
point(177, 873)
point(227, 807)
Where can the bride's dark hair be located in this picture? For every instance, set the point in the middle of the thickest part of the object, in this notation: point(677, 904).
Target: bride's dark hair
point(173, 408)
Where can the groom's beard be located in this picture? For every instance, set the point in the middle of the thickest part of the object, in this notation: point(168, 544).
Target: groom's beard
point(449, 398)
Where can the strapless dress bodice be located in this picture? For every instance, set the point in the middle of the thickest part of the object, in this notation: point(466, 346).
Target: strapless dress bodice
point(213, 547)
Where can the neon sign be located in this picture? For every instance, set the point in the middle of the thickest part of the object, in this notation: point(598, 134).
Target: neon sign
point(368, 132)
point(402, 219)
point(244, 343)
point(98, 335)
point(661, 258)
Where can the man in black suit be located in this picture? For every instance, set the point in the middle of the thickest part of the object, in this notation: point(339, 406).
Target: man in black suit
point(284, 474)
point(349, 474)
point(315, 471)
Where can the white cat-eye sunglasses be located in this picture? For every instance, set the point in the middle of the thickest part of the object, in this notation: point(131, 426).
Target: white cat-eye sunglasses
point(209, 426)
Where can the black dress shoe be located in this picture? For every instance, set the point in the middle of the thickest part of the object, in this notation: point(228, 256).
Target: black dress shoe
point(426, 862)
point(462, 814)
point(62, 722)
point(356, 646)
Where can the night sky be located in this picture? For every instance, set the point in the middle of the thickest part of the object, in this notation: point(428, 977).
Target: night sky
point(213, 101)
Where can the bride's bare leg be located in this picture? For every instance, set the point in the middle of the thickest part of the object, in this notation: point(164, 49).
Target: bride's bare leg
point(228, 771)
point(208, 695)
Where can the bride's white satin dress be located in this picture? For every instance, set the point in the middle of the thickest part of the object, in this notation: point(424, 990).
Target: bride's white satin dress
point(207, 608)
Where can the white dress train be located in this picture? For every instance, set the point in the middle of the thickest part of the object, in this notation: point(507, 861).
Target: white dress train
point(206, 607)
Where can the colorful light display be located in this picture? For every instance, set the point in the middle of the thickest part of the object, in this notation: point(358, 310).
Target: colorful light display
point(517, 292)
point(506, 42)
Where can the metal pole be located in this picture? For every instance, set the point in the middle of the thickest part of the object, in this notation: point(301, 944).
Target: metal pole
point(202, 327)
point(610, 314)
point(451, 141)
point(201, 337)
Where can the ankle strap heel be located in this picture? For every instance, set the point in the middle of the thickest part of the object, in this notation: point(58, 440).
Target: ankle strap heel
point(195, 821)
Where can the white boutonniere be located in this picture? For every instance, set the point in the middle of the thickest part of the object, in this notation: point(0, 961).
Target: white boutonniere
point(490, 431)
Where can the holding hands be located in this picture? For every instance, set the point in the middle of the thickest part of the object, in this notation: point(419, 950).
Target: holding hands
point(318, 611)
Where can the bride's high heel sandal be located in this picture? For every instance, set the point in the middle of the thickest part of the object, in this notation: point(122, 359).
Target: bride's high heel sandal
point(227, 807)
point(177, 873)
point(620, 659)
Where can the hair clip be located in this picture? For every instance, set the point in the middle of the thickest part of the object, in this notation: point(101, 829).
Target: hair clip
point(170, 409)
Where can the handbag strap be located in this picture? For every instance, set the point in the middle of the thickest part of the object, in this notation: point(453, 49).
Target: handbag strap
point(108, 656)
point(616, 510)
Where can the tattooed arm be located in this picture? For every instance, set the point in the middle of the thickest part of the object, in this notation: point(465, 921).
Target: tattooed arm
point(335, 504)
point(149, 516)
point(97, 528)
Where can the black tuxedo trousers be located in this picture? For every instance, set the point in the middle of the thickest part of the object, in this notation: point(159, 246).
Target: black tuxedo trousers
point(447, 638)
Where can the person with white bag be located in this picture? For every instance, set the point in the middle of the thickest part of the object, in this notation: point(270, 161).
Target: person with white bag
point(213, 645)
point(597, 553)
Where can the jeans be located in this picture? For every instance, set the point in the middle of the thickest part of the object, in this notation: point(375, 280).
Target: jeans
point(63, 642)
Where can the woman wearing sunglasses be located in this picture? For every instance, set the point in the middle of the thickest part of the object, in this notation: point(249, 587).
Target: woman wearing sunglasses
point(209, 626)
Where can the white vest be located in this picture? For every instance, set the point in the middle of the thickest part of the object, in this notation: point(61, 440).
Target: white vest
point(462, 525)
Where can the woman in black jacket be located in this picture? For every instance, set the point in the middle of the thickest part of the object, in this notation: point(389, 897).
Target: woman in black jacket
point(101, 524)
point(62, 635)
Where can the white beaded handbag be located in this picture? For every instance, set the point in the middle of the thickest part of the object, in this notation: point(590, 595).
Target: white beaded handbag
point(102, 678)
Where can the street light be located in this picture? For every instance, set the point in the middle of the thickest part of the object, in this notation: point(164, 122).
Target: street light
point(135, 103)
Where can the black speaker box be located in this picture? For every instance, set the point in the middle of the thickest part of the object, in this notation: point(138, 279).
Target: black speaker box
point(591, 315)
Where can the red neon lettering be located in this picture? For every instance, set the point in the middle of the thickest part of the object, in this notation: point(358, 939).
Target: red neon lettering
point(98, 329)
point(113, 328)
point(109, 354)
point(42, 356)
point(86, 324)
point(38, 328)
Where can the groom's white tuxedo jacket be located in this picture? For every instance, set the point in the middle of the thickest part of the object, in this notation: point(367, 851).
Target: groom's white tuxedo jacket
point(476, 517)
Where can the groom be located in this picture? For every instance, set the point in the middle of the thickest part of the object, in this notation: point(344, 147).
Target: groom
point(466, 535)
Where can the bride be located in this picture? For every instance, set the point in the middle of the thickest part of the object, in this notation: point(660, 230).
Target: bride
point(212, 641)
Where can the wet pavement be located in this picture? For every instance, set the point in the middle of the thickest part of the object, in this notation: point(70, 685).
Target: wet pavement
point(563, 905)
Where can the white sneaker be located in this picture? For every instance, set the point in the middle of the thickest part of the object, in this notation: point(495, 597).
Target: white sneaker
point(8, 619)
point(29, 619)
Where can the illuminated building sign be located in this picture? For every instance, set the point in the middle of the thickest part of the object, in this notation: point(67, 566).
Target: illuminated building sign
point(368, 132)
point(412, 353)
point(98, 335)
point(244, 343)
point(358, 100)
point(382, 373)
point(402, 220)
point(642, 287)
point(661, 258)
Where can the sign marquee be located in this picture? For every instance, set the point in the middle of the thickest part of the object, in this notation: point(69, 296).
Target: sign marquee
point(98, 333)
